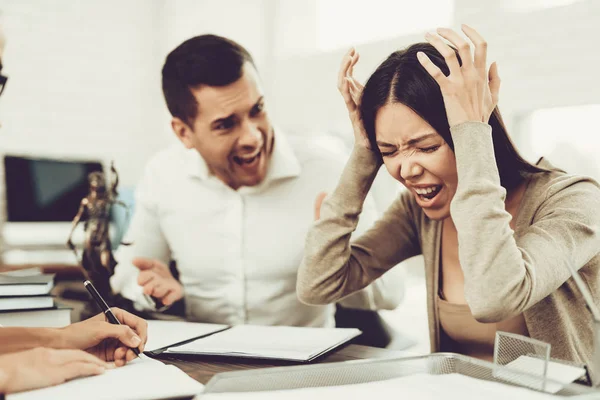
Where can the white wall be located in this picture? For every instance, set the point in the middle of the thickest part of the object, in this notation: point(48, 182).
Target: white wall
point(83, 81)
point(85, 75)
point(545, 57)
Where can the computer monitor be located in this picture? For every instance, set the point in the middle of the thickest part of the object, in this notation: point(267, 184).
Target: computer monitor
point(45, 190)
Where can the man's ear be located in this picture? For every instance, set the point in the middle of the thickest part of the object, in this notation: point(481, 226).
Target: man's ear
point(183, 132)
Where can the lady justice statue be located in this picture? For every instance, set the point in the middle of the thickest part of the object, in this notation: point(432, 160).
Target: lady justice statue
point(97, 258)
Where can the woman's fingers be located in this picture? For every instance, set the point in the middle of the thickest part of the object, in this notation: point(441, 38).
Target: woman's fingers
point(446, 51)
point(494, 82)
point(463, 47)
point(345, 90)
point(354, 59)
point(139, 325)
point(120, 356)
point(431, 68)
point(348, 87)
point(130, 355)
point(346, 62)
point(79, 369)
point(480, 48)
point(63, 357)
point(355, 89)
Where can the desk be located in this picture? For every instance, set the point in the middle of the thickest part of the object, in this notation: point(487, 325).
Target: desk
point(202, 368)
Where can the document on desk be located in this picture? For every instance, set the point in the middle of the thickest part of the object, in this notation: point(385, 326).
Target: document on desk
point(162, 334)
point(141, 379)
point(417, 386)
point(271, 342)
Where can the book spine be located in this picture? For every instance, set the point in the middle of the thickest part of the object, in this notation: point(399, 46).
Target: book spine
point(2, 215)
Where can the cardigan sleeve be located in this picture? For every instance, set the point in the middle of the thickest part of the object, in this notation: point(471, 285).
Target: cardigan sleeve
point(504, 275)
point(333, 267)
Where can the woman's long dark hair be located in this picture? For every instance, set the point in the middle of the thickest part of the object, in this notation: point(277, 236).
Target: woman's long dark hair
point(402, 79)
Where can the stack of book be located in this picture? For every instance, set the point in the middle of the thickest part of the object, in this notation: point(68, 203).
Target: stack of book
point(26, 301)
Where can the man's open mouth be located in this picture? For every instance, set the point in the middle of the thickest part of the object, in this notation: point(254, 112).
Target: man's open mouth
point(248, 161)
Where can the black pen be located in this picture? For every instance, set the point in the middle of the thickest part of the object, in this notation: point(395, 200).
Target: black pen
point(105, 308)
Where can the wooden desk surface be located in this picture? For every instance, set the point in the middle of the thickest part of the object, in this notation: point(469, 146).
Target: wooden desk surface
point(203, 368)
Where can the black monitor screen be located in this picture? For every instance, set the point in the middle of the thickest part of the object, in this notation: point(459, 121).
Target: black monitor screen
point(44, 190)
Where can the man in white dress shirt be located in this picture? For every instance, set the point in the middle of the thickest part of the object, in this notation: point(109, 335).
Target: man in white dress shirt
point(232, 205)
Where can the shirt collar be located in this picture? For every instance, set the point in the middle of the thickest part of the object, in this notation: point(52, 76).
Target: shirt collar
point(283, 163)
point(195, 165)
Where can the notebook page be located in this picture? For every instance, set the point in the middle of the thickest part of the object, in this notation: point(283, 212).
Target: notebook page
point(417, 386)
point(141, 379)
point(165, 333)
point(283, 342)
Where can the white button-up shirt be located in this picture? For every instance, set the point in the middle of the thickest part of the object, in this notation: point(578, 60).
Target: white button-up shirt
point(238, 251)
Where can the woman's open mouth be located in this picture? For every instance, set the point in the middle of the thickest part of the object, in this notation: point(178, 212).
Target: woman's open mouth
point(428, 194)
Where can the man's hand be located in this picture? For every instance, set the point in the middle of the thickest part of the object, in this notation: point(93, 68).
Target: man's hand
point(41, 367)
point(157, 281)
point(107, 341)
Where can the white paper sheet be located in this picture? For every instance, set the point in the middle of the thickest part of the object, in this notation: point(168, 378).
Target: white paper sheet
point(165, 333)
point(280, 342)
point(141, 379)
point(418, 386)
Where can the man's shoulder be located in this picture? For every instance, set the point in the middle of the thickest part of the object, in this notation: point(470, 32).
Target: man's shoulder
point(172, 156)
point(166, 166)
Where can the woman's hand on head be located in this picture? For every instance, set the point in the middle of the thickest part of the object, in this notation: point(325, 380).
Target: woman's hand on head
point(351, 91)
point(470, 91)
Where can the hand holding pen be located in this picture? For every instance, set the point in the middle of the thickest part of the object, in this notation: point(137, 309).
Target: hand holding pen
point(108, 341)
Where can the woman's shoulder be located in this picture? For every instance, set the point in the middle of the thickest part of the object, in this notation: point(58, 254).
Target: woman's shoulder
point(557, 185)
point(557, 180)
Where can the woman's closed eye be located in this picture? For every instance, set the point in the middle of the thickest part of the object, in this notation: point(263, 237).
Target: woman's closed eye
point(430, 149)
point(387, 153)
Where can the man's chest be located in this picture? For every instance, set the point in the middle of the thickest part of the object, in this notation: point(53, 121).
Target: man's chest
point(216, 230)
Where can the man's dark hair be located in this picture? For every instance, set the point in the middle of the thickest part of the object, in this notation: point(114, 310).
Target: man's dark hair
point(202, 60)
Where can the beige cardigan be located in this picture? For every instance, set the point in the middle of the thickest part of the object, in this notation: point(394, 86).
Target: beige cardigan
point(506, 272)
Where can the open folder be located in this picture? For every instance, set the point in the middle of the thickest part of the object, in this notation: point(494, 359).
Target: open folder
point(266, 342)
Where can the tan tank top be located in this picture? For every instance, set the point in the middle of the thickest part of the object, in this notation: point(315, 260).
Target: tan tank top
point(468, 336)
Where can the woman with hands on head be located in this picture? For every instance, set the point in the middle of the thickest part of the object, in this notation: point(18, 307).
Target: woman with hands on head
point(32, 358)
point(497, 233)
